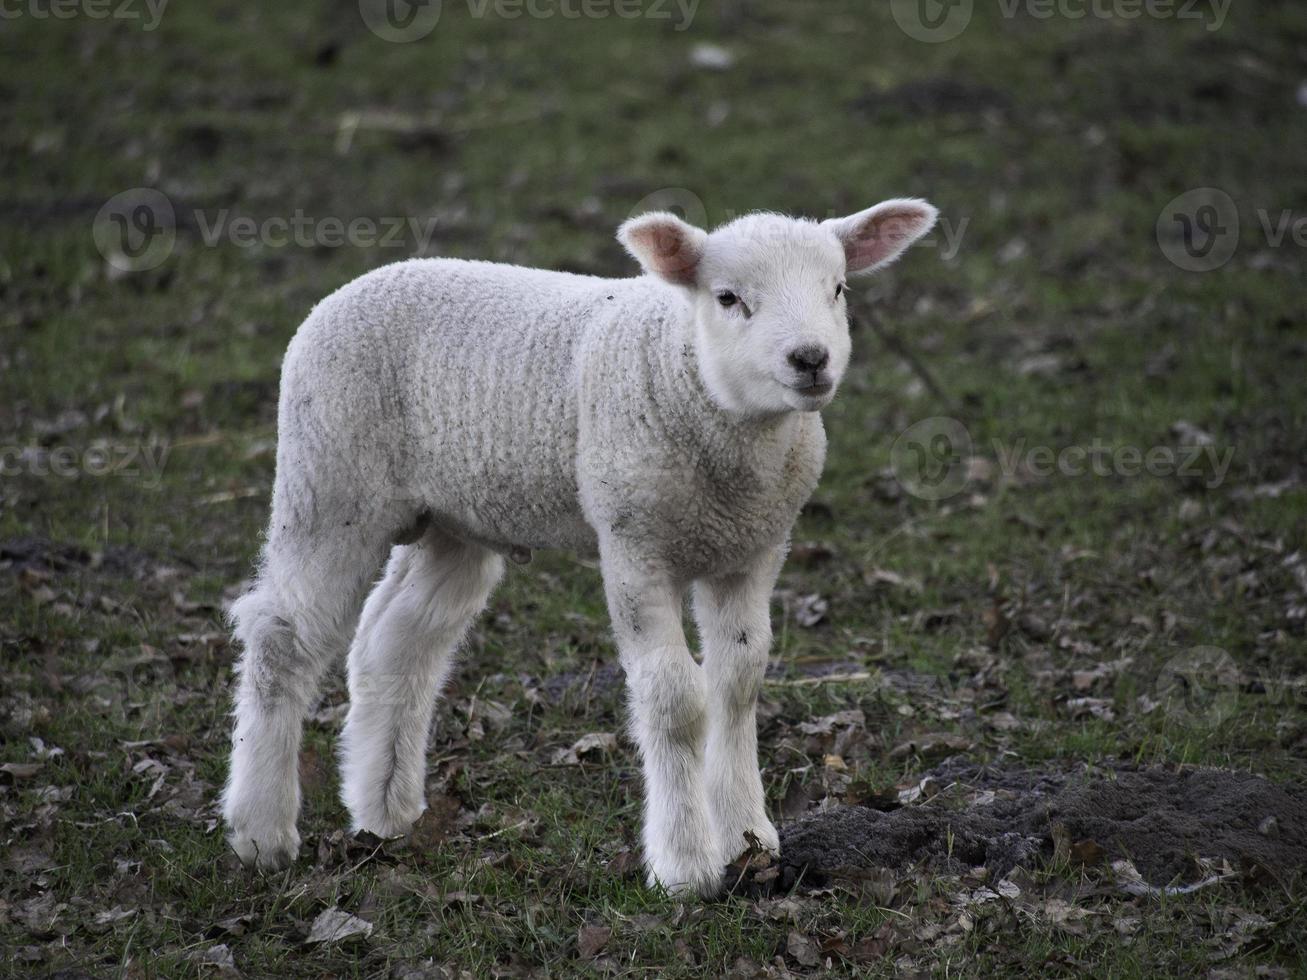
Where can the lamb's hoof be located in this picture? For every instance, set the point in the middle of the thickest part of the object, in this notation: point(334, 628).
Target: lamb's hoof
point(686, 879)
point(266, 851)
point(388, 821)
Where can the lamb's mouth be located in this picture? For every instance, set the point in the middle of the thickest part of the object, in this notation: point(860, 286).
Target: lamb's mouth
point(816, 390)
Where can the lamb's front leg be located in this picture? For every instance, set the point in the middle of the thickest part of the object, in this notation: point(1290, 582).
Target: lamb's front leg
point(735, 631)
point(668, 716)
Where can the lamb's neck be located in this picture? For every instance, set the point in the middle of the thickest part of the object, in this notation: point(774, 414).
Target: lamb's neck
point(689, 412)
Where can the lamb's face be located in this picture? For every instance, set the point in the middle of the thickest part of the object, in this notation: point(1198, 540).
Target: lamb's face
point(772, 329)
point(771, 321)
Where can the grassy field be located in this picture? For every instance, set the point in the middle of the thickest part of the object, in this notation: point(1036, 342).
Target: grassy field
point(961, 584)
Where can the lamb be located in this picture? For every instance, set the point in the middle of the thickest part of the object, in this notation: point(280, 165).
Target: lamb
point(439, 415)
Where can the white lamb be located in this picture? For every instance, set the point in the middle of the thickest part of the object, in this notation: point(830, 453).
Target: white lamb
point(449, 413)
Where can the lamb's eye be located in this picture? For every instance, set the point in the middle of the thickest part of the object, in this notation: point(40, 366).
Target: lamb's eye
point(727, 298)
point(839, 290)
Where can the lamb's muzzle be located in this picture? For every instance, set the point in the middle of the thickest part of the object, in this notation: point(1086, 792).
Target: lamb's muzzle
point(810, 358)
point(438, 415)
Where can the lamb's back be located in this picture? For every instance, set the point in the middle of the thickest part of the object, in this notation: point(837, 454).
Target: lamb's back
point(452, 384)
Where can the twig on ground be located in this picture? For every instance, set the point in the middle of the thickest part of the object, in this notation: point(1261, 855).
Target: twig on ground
point(902, 350)
point(861, 675)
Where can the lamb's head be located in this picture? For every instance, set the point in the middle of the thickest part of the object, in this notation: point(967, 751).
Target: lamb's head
point(771, 324)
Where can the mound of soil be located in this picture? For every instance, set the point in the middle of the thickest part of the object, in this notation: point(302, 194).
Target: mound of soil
point(1159, 818)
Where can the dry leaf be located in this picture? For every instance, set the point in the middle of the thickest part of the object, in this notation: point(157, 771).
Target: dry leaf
point(591, 939)
point(809, 610)
point(237, 925)
point(883, 576)
point(939, 743)
point(1069, 918)
point(1130, 881)
point(996, 623)
point(1188, 434)
point(437, 823)
point(217, 958)
point(1087, 852)
point(711, 57)
point(802, 948)
point(1096, 707)
point(833, 724)
point(335, 925)
point(113, 916)
point(21, 770)
point(624, 862)
point(593, 744)
point(925, 789)
point(1003, 721)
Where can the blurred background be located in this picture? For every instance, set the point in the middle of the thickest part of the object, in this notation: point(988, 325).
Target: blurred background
point(1062, 521)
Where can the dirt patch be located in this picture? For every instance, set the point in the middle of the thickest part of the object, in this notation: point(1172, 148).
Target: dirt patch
point(602, 682)
point(44, 554)
point(933, 96)
point(1161, 819)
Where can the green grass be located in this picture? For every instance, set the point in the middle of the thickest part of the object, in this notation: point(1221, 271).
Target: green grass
point(1065, 137)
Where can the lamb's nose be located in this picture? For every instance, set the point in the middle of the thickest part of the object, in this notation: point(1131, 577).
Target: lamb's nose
point(810, 358)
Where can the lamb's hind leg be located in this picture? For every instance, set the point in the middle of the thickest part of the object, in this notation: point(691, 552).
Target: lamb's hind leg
point(293, 623)
point(399, 661)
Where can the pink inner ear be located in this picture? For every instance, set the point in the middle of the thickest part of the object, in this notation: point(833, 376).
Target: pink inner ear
point(667, 251)
point(883, 235)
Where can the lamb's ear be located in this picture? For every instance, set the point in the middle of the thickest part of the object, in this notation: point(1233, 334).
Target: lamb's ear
point(665, 246)
point(879, 235)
